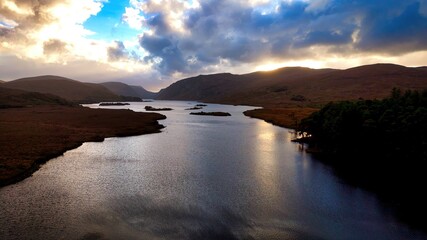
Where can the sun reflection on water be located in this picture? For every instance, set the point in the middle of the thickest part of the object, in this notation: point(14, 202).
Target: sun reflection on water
point(266, 169)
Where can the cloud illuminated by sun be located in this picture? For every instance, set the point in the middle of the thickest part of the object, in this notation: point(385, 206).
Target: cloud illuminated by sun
point(170, 40)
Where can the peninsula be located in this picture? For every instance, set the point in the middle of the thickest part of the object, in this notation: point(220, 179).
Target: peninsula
point(37, 127)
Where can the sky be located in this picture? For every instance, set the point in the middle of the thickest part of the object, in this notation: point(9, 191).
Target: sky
point(153, 43)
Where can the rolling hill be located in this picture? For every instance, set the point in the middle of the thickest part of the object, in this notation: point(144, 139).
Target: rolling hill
point(68, 89)
point(296, 86)
point(123, 89)
point(11, 98)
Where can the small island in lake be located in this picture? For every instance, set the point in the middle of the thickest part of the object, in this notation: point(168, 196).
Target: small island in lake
point(218, 114)
point(194, 108)
point(113, 104)
point(150, 108)
point(197, 107)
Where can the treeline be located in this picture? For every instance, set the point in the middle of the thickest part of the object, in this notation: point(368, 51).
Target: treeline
point(380, 143)
point(395, 127)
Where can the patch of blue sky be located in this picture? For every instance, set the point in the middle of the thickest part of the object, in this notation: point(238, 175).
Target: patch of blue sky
point(108, 25)
point(4, 23)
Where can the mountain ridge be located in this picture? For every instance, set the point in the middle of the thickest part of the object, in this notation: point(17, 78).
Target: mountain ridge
point(298, 86)
point(123, 89)
point(66, 88)
point(283, 87)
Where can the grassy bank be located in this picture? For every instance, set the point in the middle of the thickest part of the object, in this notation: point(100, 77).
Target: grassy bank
point(283, 117)
point(32, 135)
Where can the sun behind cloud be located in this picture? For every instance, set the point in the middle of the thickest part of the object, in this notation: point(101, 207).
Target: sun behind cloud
point(304, 63)
point(164, 39)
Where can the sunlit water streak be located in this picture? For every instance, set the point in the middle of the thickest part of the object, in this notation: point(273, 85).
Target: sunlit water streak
point(203, 177)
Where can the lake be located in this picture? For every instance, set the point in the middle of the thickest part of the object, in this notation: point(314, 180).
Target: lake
point(203, 177)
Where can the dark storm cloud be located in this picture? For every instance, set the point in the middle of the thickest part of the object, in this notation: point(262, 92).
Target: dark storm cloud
point(117, 51)
point(165, 54)
point(238, 33)
point(158, 23)
point(325, 38)
point(403, 30)
point(156, 45)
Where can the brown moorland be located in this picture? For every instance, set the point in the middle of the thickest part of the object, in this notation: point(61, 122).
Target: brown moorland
point(283, 117)
point(18, 98)
point(31, 135)
point(298, 86)
point(71, 90)
point(296, 90)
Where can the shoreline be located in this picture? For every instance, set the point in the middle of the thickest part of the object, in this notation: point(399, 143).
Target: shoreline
point(405, 210)
point(46, 132)
point(283, 117)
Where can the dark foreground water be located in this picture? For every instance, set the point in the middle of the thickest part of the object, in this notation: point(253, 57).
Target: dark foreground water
point(203, 177)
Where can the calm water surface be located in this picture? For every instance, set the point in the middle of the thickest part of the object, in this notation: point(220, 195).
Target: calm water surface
point(203, 177)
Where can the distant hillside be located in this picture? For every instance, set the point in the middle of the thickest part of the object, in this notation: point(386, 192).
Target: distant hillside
point(298, 86)
point(143, 93)
point(123, 89)
point(231, 88)
point(68, 89)
point(202, 87)
point(17, 98)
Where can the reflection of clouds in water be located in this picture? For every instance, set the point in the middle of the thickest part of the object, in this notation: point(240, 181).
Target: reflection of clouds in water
point(137, 217)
